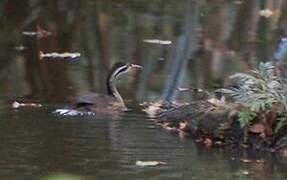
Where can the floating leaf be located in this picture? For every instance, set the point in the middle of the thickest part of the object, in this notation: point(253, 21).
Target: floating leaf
point(73, 112)
point(16, 105)
point(149, 163)
point(65, 55)
point(157, 41)
point(40, 33)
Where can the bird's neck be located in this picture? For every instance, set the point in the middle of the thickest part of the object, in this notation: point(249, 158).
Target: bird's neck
point(112, 90)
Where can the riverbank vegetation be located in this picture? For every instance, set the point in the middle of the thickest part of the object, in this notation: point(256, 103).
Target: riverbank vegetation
point(253, 115)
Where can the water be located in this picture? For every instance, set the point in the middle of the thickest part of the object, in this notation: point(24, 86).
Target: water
point(36, 143)
point(180, 43)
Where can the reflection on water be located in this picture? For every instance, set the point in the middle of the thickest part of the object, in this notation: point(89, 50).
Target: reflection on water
point(194, 44)
point(35, 143)
point(203, 36)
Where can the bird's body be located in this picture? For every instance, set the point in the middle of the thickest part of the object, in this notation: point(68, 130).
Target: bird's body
point(99, 103)
point(109, 103)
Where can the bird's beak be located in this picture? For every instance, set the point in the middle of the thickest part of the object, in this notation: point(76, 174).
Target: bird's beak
point(136, 66)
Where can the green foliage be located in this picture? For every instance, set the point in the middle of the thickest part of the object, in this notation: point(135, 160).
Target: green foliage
point(260, 92)
point(281, 122)
point(245, 117)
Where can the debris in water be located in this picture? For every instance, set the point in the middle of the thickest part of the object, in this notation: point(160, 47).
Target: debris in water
point(257, 128)
point(65, 55)
point(260, 161)
point(237, 2)
point(283, 153)
point(245, 172)
point(72, 112)
point(190, 89)
point(153, 109)
point(16, 105)
point(219, 143)
point(149, 163)
point(183, 89)
point(208, 142)
point(242, 173)
point(217, 102)
point(246, 160)
point(266, 13)
point(20, 48)
point(157, 41)
point(167, 126)
point(183, 125)
point(29, 33)
point(40, 33)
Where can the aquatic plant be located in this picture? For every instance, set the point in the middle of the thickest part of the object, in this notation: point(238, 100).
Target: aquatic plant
point(262, 94)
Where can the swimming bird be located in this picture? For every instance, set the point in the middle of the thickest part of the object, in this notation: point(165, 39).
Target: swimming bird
point(108, 103)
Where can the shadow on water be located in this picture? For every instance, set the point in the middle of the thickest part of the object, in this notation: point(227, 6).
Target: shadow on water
point(180, 43)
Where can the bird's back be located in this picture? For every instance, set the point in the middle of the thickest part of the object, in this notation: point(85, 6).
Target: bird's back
point(98, 103)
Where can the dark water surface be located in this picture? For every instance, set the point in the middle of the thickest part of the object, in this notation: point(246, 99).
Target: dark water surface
point(195, 44)
point(35, 143)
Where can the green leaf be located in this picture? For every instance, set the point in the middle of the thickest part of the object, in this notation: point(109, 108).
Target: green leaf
point(282, 121)
point(245, 118)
